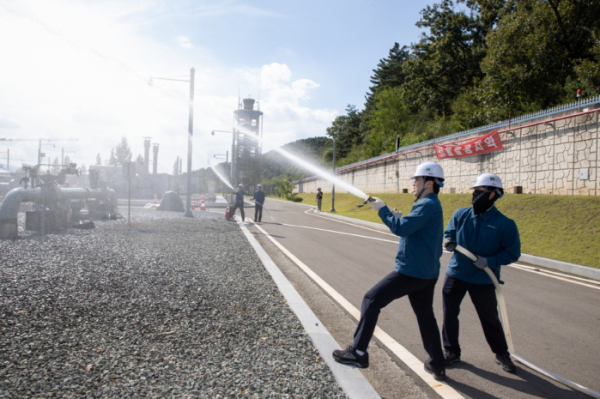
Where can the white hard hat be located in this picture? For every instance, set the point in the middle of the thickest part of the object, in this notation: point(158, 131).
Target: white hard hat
point(488, 179)
point(429, 169)
point(241, 185)
point(259, 185)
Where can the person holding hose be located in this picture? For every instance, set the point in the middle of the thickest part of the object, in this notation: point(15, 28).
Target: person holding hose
point(239, 202)
point(259, 197)
point(416, 273)
point(494, 239)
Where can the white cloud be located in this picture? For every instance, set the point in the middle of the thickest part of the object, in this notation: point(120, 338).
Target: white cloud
point(81, 71)
point(184, 42)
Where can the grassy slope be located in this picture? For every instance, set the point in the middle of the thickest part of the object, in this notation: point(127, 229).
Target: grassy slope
point(560, 227)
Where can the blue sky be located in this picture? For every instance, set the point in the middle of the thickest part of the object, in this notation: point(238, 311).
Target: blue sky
point(80, 69)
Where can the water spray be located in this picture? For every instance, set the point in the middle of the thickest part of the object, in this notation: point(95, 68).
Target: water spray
point(220, 175)
point(504, 314)
point(308, 166)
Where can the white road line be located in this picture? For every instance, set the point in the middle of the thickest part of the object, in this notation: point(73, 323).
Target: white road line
point(441, 388)
point(348, 223)
point(352, 381)
point(340, 232)
point(558, 276)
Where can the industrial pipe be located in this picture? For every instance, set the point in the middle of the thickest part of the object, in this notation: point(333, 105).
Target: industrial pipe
point(502, 305)
point(9, 210)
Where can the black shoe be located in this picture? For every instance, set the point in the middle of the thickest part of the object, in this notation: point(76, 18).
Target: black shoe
point(438, 374)
point(349, 356)
point(506, 363)
point(451, 358)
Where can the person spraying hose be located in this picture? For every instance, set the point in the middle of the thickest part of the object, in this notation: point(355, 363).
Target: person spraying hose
point(494, 239)
point(416, 273)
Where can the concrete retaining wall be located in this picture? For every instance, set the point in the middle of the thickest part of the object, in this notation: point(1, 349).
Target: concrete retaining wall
point(543, 158)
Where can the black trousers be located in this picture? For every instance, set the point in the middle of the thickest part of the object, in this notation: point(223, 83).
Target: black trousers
point(483, 297)
point(240, 207)
point(258, 212)
point(420, 295)
point(319, 204)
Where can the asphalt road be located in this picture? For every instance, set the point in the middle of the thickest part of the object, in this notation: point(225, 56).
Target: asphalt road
point(555, 323)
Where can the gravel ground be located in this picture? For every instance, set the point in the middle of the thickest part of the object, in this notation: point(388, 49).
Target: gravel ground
point(169, 307)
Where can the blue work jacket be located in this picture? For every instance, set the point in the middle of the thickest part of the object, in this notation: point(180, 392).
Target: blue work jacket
point(239, 197)
point(420, 235)
point(259, 197)
point(491, 235)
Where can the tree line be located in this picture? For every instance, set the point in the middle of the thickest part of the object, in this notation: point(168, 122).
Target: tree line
point(480, 61)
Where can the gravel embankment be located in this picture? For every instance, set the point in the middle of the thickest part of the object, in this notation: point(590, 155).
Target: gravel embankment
point(170, 307)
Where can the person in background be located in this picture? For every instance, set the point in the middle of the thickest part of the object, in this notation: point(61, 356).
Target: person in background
point(259, 197)
point(239, 202)
point(416, 273)
point(485, 231)
point(319, 198)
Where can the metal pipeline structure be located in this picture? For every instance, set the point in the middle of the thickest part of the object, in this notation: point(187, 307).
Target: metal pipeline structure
point(55, 207)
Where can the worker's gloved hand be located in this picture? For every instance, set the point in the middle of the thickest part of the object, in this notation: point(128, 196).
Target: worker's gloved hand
point(377, 204)
point(450, 246)
point(481, 262)
point(397, 213)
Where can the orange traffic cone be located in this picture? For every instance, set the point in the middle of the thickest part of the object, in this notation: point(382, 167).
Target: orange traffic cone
point(202, 206)
point(193, 206)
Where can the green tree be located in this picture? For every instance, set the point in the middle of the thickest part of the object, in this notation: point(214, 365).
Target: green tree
point(445, 62)
point(347, 131)
point(390, 119)
point(112, 160)
point(534, 51)
point(283, 188)
point(389, 73)
point(122, 152)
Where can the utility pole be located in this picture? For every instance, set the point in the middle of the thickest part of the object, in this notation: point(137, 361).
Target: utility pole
point(188, 196)
point(333, 184)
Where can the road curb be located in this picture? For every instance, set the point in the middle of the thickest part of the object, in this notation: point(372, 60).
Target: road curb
point(351, 380)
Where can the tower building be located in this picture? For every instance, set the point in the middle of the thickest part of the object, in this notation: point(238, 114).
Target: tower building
point(247, 147)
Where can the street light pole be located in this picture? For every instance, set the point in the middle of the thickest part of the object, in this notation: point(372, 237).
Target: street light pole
point(333, 185)
point(188, 197)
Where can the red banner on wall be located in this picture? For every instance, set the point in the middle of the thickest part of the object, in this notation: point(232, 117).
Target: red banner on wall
point(480, 145)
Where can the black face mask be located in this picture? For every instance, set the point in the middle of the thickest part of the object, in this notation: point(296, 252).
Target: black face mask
point(482, 202)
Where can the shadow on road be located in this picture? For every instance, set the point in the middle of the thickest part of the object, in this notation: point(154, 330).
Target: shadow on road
point(524, 381)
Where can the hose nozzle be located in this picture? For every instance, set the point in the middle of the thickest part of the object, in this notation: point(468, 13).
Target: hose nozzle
point(369, 199)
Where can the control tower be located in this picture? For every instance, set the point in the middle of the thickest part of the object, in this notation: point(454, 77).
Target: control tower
point(248, 128)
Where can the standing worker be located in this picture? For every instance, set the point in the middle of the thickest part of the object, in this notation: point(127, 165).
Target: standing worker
point(319, 198)
point(239, 202)
point(259, 197)
point(484, 231)
point(417, 271)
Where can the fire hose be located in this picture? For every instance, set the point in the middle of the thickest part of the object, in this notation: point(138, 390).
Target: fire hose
point(504, 314)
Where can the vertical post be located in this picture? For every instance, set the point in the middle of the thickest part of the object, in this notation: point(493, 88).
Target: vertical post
point(8, 160)
point(188, 196)
point(62, 156)
point(129, 165)
point(333, 184)
point(233, 183)
point(40, 153)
